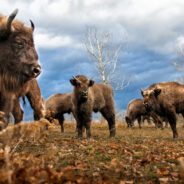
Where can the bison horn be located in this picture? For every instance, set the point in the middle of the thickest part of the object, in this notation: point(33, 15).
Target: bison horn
point(141, 91)
point(10, 19)
point(32, 25)
point(75, 78)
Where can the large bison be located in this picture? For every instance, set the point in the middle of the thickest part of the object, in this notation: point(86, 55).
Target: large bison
point(18, 60)
point(137, 111)
point(88, 96)
point(166, 99)
point(57, 105)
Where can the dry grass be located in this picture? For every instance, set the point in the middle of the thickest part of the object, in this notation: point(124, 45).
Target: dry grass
point(31, 154)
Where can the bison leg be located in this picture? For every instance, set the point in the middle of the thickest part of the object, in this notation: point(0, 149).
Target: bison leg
point(166, 124)
point(17, 111)
point(110, 117)
point(148, 120)
point(172, 122)
point(35, 101)
point(139, 121)
point(183, 116)
point(80, 129)
point(88, 129)
point(6, 105)
point(159, 124)
point(61, 119)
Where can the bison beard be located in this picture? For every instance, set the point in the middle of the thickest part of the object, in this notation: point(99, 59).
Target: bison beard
point(88, 96)
point(18, 60)
point(166, 99)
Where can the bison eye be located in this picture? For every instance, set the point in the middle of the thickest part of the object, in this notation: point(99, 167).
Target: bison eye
point(151, 95)
point(78, 84)
point(18, 45)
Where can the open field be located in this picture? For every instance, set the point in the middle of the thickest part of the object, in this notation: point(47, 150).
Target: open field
point(146, 155)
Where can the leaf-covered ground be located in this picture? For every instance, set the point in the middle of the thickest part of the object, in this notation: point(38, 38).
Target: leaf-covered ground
point(146, 155)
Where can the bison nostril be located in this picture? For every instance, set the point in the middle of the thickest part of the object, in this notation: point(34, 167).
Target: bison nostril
point(84, 93)
point(37, 70)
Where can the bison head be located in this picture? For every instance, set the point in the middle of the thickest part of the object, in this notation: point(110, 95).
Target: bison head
point(17, 52)
point(82, 85)
point(150, 99)
point(128, 121)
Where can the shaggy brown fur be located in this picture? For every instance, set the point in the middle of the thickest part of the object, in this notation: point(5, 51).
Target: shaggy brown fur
point(32, 91)
point(57, 105)
point(137, 110)
point(166, 99)
point(18, 60)
point(88, 96)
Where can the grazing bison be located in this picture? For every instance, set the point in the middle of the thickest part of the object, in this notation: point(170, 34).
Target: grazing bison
point(137, 110)
point(18, 60)
point(88, 96)
point(166, 99)
point(57, 105)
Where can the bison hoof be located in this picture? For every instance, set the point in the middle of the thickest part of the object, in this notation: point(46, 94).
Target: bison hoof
point(112, 135)
point(175, 136)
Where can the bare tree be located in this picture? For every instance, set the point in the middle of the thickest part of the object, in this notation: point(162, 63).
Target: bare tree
point(179, 62)
point(104, 53)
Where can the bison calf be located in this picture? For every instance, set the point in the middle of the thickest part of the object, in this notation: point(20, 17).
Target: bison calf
point(88, 96)
point(56, 105)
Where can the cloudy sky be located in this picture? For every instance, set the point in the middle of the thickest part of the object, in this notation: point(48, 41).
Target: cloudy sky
point(149, 30)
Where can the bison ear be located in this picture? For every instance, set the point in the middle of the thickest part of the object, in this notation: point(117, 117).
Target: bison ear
point(91, 82)
point(73, 82)
point(157, 92)
point(141, 92)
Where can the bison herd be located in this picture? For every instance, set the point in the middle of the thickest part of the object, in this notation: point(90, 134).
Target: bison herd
point(19, 68)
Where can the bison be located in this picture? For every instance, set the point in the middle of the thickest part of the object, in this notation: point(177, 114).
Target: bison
point(18, 60)
point(137, 110)
point(88, 96)
point(57, 105)
point(166, 99)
